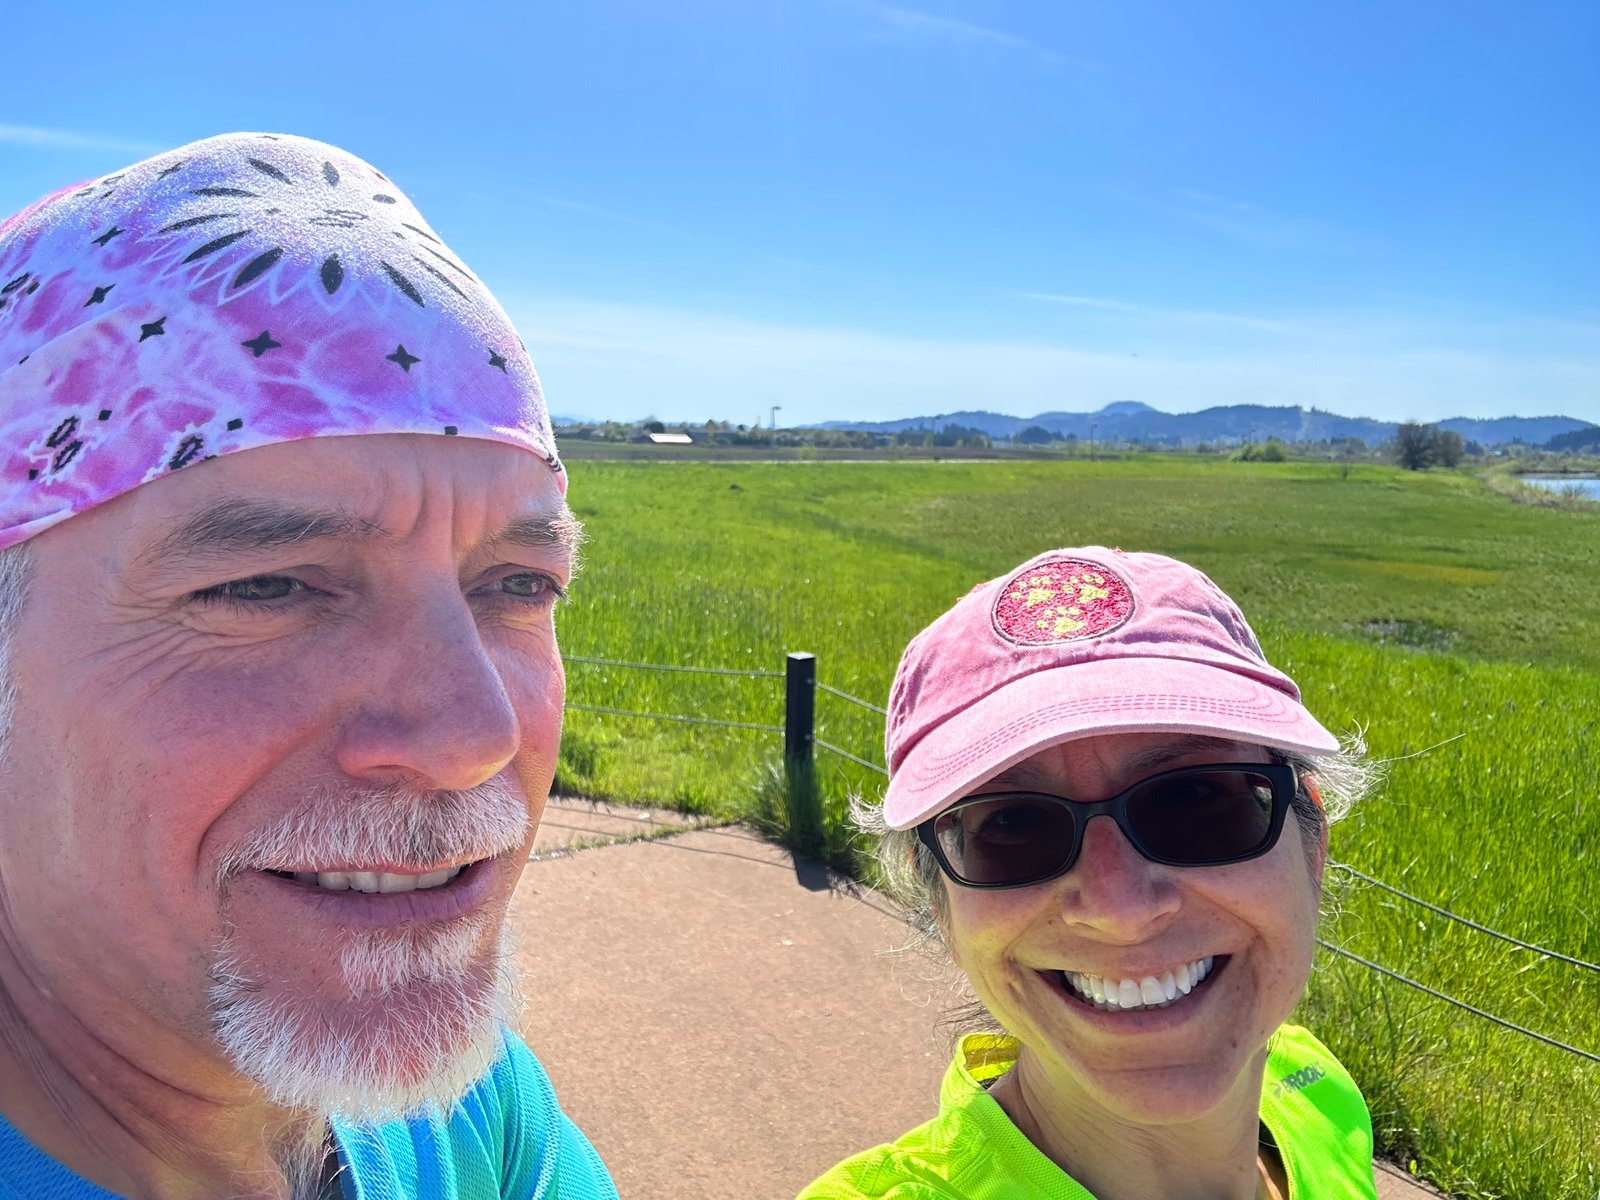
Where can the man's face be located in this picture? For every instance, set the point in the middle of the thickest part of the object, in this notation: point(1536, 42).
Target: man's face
point(286, 723)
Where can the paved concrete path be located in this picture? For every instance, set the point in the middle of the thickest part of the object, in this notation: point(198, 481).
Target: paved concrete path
point(722, 1023)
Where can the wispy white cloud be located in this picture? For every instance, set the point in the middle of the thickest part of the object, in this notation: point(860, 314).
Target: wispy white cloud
point(591, 210)
point(1582, 323)
point(69, 139)
point(932, 25)
point(1127, 308)
point(621, 360)
point(1251, 223)
point(517, 200)
point(923, 26)
point(1241, 221)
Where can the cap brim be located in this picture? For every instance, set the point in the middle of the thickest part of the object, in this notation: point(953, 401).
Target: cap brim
point(1086, 699)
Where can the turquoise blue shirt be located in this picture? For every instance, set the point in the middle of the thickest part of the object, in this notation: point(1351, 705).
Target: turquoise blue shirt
point(507, 1139)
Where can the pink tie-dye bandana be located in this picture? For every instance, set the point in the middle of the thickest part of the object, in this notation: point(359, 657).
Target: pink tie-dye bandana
point(244, 290)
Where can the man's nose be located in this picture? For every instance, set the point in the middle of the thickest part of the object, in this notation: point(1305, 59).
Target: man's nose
point(1114, 889)
point(431, 706)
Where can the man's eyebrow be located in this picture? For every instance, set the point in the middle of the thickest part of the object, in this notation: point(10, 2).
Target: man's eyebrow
point(240, 526)
point(542, 531)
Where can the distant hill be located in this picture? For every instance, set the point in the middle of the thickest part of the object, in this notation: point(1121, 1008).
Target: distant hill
point(1135, 422)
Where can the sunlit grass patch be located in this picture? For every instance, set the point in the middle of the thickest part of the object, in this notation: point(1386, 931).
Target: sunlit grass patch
point(1427, 572)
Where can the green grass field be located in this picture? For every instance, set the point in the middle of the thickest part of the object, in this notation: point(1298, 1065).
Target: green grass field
point(1460, 630)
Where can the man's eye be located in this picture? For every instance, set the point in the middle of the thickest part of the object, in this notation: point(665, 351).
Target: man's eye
point(531, 585)
point(258, 589)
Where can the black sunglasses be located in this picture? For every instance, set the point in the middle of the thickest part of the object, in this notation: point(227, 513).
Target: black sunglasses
point(1192, 817)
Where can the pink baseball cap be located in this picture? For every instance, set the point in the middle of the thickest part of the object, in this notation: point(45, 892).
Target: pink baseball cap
point(1072, 644)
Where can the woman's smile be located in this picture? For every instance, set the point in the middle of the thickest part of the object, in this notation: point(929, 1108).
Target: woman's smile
point(1126, 993)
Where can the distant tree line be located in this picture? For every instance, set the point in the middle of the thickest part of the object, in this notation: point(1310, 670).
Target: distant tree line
point(1579, 441)
point(951, 435)
point(1415, 446)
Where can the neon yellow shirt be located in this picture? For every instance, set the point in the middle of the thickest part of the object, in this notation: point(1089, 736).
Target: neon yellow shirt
point(972, 1151)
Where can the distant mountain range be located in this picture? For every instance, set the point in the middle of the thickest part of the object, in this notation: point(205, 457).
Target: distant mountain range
point(1135, 422)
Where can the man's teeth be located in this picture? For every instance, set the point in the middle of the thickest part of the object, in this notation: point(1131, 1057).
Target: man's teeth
point(377, 881)
point(1117, 995)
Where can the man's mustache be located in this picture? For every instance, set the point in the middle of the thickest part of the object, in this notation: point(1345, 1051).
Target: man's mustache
point(346, 828)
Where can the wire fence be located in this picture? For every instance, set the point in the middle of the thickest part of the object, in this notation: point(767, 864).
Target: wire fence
point(831, 749)
point(1470, 924)
point(650, 716)
point(1471, 1008)
point(719, 722)
point(867, 704)
point(738, 672)
point(868, 764)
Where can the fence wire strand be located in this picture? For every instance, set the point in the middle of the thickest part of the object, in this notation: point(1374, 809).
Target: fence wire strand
point(628, 712)
point(1487, 1016)
point(872, 766)
point(1470, 924)
point(832, 749)
point(644, 666)
point(833, 691)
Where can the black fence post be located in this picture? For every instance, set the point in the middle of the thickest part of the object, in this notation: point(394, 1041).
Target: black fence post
point(799, 751)
point(799, 709)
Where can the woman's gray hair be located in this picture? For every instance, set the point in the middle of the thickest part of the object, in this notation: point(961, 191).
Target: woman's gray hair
point(16, 569)
point(908, 872)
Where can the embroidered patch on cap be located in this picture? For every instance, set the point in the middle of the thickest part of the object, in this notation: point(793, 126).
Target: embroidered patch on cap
point(1062, 600)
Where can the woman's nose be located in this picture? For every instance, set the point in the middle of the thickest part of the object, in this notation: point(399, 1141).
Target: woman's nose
point(1115, 889)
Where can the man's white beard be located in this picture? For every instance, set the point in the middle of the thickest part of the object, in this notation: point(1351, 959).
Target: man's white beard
point(419, 1021)
point(423, 1056)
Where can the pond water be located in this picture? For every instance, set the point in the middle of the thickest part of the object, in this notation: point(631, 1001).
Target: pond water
point(1588, 488)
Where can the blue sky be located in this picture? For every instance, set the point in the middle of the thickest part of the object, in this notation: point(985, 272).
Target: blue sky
point(704, 208)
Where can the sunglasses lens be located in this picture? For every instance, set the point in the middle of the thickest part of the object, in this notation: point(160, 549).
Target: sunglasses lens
point(1007, 840)
point(1203, 817)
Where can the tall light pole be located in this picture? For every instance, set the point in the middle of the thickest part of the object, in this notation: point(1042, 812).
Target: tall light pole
point(776, 409)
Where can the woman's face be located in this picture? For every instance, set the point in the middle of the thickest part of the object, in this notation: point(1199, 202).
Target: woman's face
point(1119, 917)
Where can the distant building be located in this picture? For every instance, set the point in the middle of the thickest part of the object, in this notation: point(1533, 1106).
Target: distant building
point(671, 439)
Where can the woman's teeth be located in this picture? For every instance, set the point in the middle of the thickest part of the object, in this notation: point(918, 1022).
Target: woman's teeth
point(1118, 995)
point(377, 881)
